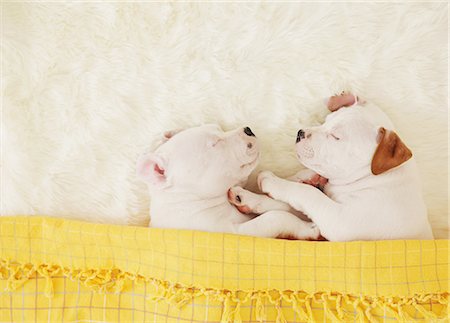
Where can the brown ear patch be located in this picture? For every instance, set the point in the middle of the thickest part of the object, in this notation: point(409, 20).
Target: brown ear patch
point(391, 152)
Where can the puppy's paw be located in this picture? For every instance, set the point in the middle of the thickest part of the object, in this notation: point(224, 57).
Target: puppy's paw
point(303, 175)
point(311, 232)
point(265, 178)
point(306, 231)
point(241, 199)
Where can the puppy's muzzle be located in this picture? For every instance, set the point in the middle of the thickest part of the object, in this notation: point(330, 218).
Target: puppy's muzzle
point(300, 135)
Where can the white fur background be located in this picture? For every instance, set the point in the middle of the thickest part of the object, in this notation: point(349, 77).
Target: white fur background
point(86, 87)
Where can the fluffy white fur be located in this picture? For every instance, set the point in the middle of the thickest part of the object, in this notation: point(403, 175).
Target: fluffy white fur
point(87, 87)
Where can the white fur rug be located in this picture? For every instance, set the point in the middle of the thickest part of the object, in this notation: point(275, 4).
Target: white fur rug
point(87, 87)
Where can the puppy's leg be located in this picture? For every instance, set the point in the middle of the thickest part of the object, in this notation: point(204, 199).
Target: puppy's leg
point(302, 175)
point(302, 197)
point(275, 224)
point(251, 203)
point(248, 202)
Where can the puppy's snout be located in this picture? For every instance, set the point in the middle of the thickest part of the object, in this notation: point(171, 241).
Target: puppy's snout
point(300, 135)
point(249, 132)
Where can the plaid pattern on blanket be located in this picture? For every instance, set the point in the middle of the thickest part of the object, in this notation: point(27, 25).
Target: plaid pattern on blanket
point(58, 270)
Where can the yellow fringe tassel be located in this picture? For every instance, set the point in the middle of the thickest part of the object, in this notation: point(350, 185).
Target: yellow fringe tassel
point(333, 303)
point(260, 309)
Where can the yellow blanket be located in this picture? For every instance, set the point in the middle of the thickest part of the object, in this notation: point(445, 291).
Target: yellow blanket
point(60, 270)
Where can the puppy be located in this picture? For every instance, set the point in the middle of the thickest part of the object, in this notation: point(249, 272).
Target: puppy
point(189, 175)
point(370, 180)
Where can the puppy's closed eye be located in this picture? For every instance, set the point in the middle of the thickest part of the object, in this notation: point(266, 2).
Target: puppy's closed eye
point(335, 137)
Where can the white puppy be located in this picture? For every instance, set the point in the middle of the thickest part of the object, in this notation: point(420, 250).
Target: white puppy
point(189, 176)
point(373, 190)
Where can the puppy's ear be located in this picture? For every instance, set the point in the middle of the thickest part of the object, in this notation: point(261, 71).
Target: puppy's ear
point(163, 138)
point(343, 100)
point(169, 134)
point(151, 169)
point(391, 152)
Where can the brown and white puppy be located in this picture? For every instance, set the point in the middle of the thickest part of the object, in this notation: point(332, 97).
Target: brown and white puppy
point(373, 190)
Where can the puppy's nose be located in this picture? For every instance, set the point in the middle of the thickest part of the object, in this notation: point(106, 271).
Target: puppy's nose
point(249, 132)
point(300, 135)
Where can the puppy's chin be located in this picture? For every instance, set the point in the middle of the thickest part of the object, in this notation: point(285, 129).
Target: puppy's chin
point(251, 164)
point(307, 161)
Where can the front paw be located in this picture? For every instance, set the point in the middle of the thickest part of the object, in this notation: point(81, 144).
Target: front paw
point(314, 232)
point(239, 197)
point(306, 231)
point(266, 180)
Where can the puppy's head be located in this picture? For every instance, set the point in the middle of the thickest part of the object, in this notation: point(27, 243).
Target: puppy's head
point(351, 144)
point(203, 160)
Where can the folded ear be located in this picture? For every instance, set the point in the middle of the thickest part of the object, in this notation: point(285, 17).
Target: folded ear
point(151, 169)
point(164, 138)
point(345, 99)
point(391, 152)
point(169, 134)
